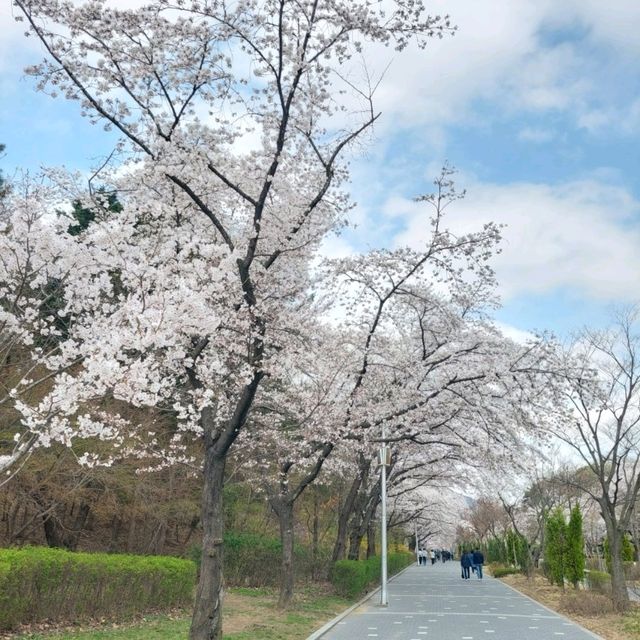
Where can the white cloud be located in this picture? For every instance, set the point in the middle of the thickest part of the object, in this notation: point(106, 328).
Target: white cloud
point(512, 57)
point(535, 135)
point(499, 57)
point(515, 334)
point(581, 236)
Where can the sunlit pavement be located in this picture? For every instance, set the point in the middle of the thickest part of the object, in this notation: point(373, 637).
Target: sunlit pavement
point(434, 603)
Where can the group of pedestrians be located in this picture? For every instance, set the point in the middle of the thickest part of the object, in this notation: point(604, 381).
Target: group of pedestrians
point(434, 555)
point(472, 561)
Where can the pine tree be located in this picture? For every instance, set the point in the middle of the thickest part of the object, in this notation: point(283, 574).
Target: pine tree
point(575, 548)
point(555, 547)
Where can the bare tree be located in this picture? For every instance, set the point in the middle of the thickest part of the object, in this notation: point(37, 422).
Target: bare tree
point(600, 421)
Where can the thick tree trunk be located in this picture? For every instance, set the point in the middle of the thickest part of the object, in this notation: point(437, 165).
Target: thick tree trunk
point(619, 592)
point(206, 623)
point(52, 532)
point(355, 542)
point(363, 517)
point(285, 517)
point(315, 537)
point(371, 539)
point(347, 509)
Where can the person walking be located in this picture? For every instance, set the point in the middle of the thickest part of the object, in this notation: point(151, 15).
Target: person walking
point(478, 561)
point(432, 555)
point(465, 563)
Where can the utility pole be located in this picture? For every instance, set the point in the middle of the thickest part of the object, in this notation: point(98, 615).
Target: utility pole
point(384, 601)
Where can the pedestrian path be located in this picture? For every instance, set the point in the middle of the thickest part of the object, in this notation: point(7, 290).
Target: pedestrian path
point(434, 603)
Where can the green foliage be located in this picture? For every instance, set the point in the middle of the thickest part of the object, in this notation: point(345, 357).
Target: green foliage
point(574, 561)
point(252, 560)
point(38, 583)
point(554, 550)
point(312, 610)
point(518, 550)
point(599, 581)
point(351, 577)
point(498, 571)
point(628, 550)
point(85, 216)
point(496, 551)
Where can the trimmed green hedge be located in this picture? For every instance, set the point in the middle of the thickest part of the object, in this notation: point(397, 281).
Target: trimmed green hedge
point(498, 571)
point(350, 578)
point(38, 583)
point(252, 560)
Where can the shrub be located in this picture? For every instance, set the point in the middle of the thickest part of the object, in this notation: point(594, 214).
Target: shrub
point(38, 583)
point(586, 604)
point(252, 560)
point(499, 571)
point(351, 577)
point(598, 581)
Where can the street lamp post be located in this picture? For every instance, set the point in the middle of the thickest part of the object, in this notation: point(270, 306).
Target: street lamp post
point(384, 601)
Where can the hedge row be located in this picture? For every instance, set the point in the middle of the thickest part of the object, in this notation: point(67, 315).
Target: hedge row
point(37, 583)
point(350, 578)
point(499, 571)
point(252, 560)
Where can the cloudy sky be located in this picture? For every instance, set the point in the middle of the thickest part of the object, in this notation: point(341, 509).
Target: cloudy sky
point(536, 102)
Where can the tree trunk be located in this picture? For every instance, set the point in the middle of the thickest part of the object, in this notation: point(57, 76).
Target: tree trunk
point(284, 510)
point(343, 521)
point(52, 532)
point(619, 592)
point(371, 539)
point(347, 509)
point(206, 623)
point(315, 537)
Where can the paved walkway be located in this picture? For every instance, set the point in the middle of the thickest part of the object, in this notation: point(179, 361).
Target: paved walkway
point(434, 603)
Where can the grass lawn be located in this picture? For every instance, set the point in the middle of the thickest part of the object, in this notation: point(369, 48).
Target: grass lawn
point(248, 614)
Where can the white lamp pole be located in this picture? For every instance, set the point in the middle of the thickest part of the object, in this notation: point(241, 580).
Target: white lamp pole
point(383, 537)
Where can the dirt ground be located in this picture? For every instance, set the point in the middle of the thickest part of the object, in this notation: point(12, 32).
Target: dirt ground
point(610, 626)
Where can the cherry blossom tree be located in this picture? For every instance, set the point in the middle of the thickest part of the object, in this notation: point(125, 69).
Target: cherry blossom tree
point(189, 297)
point(598, 418)
point(290, 437)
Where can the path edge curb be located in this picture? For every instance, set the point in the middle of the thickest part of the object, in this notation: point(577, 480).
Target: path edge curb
point(317, 635)
point(557, 613)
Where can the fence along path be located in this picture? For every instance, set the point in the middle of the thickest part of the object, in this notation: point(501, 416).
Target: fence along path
point(434, 603)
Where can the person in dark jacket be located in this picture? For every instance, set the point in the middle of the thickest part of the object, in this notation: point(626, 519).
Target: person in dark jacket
point(478, 561)
point(465, 562)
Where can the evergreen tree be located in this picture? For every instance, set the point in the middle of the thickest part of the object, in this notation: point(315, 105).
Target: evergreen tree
point(575, 548)
point(84, 216)
point(555, 547)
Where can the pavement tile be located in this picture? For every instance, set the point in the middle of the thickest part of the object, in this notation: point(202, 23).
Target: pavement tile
point(433, 603)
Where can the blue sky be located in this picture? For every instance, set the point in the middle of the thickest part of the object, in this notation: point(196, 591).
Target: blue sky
point(537, 103)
